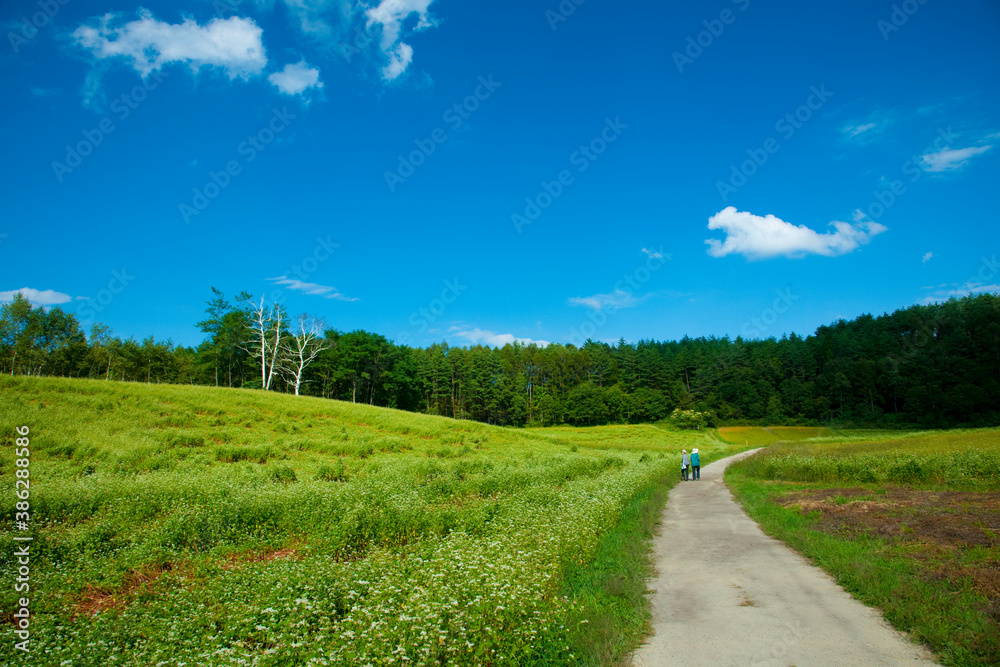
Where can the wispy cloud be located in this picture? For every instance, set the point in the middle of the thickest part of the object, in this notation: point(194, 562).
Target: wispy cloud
point(927, 257)
point(390, 15)
point(952, 159)
point(313, 16)
point(654, 254)
point(763, 237)
point(296, 79)
point(867, 128)
point(232, 45)
point(615, 300)
point(851, 131)
point(477, 336)
point(958, 290)
point(312, 289)
point(44, 297)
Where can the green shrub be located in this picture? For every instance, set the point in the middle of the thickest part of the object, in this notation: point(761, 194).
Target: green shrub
point(334, 473)
point(283, 474)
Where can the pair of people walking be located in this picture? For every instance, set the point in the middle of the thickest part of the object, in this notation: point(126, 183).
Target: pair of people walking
point(690, 465)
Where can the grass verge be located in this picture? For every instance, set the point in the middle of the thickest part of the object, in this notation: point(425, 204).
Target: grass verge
point(612, 607)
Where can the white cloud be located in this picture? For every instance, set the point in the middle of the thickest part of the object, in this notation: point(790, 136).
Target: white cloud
point(312, 16)
point(400, 58)
point(44, 297)
point(232, 44)
point(312, 289)
point(391, 15)
point(615, 300)
point(479, 336)
point(757, 237)
point(296, 79)
point(947, 291)
point(851, 131)
point(653, 254)
point(951, 159)
point(927, 257)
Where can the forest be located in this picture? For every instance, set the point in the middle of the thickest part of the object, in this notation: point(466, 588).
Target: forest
point(935, 365)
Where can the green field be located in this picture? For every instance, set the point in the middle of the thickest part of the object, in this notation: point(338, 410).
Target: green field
point(907, 522)
point(177, 524)
point(959, 459)
point(762, 436)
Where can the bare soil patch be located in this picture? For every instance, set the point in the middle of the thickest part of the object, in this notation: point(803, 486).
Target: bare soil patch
point(97, 599)
point(954, 535)
point(239, 559)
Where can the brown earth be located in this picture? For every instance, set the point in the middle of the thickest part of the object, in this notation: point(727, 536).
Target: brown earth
point(954, 535)
point(96, 599)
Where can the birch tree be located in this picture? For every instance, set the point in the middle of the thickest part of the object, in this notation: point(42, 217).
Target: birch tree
point(305, 342)
point(267, 343)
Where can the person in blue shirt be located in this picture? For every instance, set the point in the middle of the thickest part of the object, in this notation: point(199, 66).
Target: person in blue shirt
point(685, 464)
point(695, 465)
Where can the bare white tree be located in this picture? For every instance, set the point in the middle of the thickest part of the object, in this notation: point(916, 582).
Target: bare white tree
point(267, 341)
point(304, 345)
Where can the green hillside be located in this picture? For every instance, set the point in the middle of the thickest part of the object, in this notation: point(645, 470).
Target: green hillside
point(214, 526)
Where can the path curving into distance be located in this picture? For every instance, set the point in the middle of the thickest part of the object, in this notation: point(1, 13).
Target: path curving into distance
point(727, 594)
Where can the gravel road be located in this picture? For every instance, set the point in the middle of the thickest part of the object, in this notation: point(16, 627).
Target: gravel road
point(726, 594)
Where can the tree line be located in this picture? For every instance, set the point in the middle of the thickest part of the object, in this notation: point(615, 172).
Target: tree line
point(926, 365)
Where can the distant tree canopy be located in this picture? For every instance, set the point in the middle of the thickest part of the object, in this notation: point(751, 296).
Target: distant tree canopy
point(929, 365)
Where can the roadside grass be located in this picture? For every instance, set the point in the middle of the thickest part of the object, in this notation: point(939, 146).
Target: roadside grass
point(611, 616)
point(761, 436)
point(908, 524)
point(216, 526)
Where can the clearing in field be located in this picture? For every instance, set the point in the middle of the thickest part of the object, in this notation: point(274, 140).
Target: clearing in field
point(761, 436)
point(180, 524)
point(908, 523)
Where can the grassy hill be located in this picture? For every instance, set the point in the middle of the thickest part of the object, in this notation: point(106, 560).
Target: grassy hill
point(214, 526)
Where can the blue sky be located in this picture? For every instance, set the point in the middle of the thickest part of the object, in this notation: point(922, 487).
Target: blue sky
point(480, 172)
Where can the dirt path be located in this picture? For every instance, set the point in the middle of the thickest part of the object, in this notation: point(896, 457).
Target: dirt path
point(726, 594)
